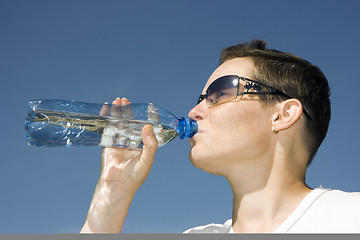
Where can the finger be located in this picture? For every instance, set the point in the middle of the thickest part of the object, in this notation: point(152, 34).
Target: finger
point(149, 148)
point(116, 108)
point(117, 101)
point(106, 139)
point(134, 133)
point(125, 101)
point(105, 109)
point(127, 110)
point(117, 130)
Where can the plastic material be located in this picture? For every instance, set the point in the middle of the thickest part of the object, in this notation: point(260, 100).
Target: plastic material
point(69, 123)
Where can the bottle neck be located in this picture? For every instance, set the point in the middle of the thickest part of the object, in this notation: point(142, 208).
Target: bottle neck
point(186, 128)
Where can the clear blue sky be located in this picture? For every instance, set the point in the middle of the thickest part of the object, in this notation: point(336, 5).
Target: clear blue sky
point(160, 52)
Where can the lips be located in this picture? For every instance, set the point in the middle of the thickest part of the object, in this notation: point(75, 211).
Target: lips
point(199, 129)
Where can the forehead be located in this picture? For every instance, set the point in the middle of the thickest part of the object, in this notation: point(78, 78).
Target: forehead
point(242, 67)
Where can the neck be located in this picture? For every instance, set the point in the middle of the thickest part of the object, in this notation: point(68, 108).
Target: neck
point(266, 195)
point(264, 210)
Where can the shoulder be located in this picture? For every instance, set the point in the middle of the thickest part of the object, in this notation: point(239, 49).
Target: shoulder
point(337, 197)
point(212, 228)
point(336, 206)
point(326, 211)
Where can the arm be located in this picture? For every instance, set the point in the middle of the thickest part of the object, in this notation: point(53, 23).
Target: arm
point(123, 171)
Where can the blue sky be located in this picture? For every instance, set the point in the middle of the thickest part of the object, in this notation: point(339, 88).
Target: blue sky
point(160, 52)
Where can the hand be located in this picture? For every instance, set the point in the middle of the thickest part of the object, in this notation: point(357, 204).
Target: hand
point(127, 168)
point(123, 171)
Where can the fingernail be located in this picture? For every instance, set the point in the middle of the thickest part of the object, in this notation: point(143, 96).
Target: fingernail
point(150, 130)
point(117, 101)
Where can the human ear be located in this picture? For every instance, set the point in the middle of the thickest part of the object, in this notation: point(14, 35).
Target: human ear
point(286, 114)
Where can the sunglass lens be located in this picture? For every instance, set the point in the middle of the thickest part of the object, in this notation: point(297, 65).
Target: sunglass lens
point(201, 97)
point(222, 90)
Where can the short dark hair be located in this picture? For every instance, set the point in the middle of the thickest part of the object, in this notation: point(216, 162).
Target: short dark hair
point(294, 76)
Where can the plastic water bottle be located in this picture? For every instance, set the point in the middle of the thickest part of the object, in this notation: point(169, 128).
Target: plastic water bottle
point(69, 123)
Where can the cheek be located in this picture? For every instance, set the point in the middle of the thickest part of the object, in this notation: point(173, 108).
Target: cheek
point(210, 150)
point(239, 134)
point(229, 137)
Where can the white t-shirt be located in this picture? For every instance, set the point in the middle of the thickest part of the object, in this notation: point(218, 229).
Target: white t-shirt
point(321, 211)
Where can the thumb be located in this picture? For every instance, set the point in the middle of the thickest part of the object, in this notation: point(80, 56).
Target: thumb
point(150, 145)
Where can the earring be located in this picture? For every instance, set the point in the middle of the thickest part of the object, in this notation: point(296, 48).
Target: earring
point(274, 130)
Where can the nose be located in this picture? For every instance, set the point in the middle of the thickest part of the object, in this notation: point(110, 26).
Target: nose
point(198, 112)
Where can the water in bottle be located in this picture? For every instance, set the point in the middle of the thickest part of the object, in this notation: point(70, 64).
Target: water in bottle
point(69, 123)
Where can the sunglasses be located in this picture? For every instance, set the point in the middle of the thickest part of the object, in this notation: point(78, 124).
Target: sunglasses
point(227, 88)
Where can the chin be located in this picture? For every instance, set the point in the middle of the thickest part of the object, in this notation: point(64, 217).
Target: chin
point(204, 161)
point(195, 156)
